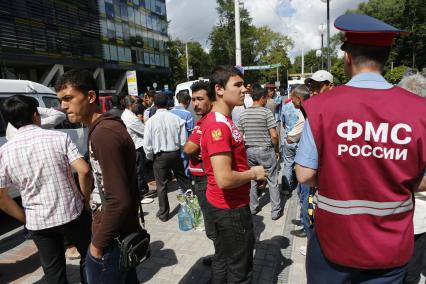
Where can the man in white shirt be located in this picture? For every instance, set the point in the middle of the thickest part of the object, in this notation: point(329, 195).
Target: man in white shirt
point(165, 134)
point(49, 119)
point(135, 128)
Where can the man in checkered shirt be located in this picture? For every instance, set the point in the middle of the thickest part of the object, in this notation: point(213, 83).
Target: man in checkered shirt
point(38, 163)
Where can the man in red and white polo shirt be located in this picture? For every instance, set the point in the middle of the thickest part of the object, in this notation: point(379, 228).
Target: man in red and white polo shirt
point(228, 180)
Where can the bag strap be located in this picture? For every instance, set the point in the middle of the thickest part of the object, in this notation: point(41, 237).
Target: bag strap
point(103, 201)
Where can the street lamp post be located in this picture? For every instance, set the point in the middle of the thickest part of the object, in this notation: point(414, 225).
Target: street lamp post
point(318, 53)
point(328, 34)
point(237, 33)
point(321, 30)
point(187, 61)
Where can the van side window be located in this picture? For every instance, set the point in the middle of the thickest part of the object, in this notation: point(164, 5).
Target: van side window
point(50, 102)
point(3, 121)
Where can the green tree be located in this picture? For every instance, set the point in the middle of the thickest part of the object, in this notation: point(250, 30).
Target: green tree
point(176, 51)
point(198, 59)
point(259, 45)
point(394, 76)
point(222, 37)
point(409, 15)
point(269, 48)
point(338, 72)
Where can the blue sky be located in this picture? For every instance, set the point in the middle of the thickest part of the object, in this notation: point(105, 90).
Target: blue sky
point(192, 20)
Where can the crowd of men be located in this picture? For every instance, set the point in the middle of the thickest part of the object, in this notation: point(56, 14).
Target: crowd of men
point(359, 149)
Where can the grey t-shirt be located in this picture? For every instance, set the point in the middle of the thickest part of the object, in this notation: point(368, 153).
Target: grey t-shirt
point(255, 123)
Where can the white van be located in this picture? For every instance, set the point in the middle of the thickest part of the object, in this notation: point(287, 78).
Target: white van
point(46, 98)
point(186, 86)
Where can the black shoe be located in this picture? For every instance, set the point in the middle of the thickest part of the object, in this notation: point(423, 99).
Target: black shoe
point(163, 219)
point(299, 233)
point(278, 216)
point(151, 193)
point(207, 261)
point(296, 222)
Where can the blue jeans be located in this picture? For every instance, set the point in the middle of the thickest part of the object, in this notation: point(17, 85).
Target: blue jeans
point(319, 270)
point(303, 192)
point(108, 269)
point(289, 179)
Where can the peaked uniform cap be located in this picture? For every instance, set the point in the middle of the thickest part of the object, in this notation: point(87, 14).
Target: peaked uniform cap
point(362, 29)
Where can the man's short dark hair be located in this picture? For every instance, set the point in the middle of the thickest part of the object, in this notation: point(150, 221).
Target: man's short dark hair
point(220, 76)
point(183, 97)
point(19, 110)
point(150, 94)
point(80, 80)
point(161, 100)
point(367, 54)
point(258, 93)
point(200, 85)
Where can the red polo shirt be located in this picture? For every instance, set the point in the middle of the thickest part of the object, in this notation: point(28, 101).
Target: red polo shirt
point(220, 135)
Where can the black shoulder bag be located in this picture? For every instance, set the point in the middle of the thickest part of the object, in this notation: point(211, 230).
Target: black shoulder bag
point(134, 248)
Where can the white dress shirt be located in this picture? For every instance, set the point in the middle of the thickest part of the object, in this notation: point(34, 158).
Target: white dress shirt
point(37, 162)
point(164, 132)
point(134, 126)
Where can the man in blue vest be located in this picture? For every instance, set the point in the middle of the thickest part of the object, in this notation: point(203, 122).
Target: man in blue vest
point(367, 155)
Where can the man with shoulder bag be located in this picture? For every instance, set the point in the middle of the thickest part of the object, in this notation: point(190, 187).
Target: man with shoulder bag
point(114, 201)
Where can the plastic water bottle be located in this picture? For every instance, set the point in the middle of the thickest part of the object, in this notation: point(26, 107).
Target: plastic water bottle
point(184, 217)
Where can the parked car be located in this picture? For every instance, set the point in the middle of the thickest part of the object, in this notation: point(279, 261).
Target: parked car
point(46, 98)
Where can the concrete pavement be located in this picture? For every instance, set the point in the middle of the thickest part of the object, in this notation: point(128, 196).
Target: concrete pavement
point(177, 255)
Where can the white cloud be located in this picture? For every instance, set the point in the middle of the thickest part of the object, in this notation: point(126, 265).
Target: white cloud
point(298, 19)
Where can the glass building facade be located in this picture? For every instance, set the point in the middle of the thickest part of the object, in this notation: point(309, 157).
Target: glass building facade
point(116, 35)
point(134, 32)
point(50, 30)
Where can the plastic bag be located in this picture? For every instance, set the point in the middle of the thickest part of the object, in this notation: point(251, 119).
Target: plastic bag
point(191, 200)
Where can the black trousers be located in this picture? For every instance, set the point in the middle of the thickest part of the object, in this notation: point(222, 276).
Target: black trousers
point(416, 264)
point(163, 163)
point(200, 185)
point(234, 244)
point(50, 245)
point(140, 165)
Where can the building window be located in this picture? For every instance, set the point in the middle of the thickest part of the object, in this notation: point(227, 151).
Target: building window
point(107, 56)
point(143, 19)
point(131, 14)
point(166, 60)
point(113, 52)
point(109, 10)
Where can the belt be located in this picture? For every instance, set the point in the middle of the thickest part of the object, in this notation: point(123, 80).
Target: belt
point(262, 147)
point(163, 152)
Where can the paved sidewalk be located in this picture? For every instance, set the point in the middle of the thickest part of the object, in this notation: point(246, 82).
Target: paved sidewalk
point(176, 255)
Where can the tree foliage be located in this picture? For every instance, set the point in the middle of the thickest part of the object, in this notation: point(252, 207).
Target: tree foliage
point(394, 76)
point(338, 72)
point(409, 15)
point(259, 45)
point(198, 59)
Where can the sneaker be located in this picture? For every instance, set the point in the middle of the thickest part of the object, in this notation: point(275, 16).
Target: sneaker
point(298, 233)
point(278, 216)
point(147, 200)
point(302, 250)
point(296, 222)
point(151, 193)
